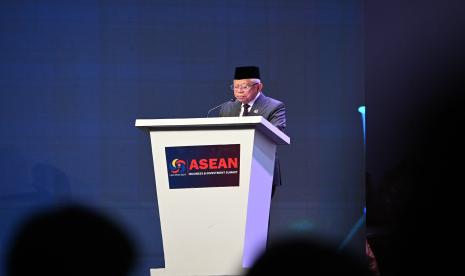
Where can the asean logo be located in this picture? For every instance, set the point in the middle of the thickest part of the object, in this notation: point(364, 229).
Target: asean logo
point(178, 166)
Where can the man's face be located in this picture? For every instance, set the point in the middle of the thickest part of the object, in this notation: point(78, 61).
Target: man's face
point(246, 90)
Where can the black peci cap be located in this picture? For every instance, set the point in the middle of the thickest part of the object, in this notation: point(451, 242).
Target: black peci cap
point(247, 72)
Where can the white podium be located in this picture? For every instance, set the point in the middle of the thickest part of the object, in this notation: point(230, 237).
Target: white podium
point(213, 181)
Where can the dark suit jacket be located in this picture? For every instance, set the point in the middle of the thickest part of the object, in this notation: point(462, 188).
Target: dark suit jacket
point(270, 109)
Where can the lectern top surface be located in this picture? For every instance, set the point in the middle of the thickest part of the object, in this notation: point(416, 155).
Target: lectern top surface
point(251, 121)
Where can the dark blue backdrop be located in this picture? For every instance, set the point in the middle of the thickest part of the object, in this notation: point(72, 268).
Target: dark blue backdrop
point(76, 74)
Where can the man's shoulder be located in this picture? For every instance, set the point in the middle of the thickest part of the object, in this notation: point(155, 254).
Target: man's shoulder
point(271, 101)
point(227, 108)
point(229, 105)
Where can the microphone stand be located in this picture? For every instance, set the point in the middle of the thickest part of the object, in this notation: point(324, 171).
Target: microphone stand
point(230, 100)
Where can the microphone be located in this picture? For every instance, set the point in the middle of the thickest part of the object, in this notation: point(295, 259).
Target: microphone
point(230, 100)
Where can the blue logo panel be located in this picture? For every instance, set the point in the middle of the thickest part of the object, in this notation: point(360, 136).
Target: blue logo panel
point(203, 166)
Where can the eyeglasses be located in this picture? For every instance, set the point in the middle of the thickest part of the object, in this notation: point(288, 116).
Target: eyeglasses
point(242, 87)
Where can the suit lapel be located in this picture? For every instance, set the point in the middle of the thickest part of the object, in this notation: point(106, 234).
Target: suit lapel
point(257, 108)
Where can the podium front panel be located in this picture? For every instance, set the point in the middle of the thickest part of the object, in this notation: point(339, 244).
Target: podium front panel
point(214, 230)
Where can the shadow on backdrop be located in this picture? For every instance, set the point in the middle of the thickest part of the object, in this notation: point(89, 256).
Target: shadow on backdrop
point(70, 240)
point(27, 182)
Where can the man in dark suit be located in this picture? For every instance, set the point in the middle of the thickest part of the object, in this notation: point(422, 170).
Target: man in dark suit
point(250, 101)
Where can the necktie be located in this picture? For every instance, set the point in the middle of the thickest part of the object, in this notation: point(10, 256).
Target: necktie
point(246, 110)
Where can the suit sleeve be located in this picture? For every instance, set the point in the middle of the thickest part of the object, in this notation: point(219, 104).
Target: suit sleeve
point(221, 111)
point(278, 117)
